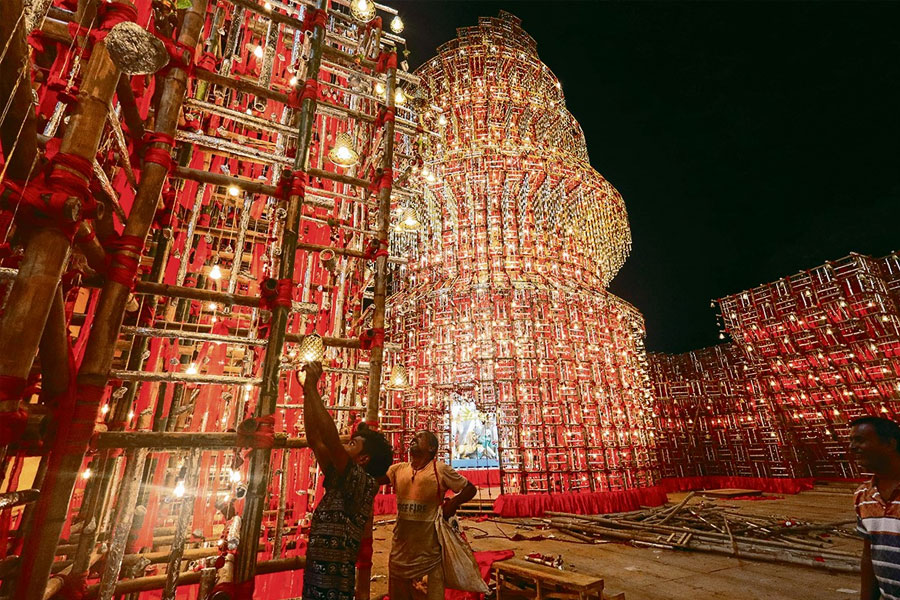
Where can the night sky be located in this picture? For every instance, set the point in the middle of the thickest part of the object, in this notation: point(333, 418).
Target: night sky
point(749, 140)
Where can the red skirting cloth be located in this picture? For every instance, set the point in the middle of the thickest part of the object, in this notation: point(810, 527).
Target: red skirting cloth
point(582, 503)
point(777, 485)
point(482, 477)
point(385, 504)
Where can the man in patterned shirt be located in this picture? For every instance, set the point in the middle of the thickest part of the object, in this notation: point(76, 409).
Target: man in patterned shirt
point(875, 444)
point(340, 518)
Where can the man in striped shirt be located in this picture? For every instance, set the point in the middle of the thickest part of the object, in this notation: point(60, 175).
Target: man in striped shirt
point(875, 445)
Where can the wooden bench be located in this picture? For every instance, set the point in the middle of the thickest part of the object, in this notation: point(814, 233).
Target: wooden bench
point(522, 579)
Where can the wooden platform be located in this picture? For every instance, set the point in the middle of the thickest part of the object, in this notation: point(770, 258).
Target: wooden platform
point(729, 493)
point(522, 579)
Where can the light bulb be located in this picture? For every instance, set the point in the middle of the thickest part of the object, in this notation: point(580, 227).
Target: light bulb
point(192, 369)
point(293, 81)
point(399, 96)
point(213, 306)
point(379, 88)
point(267, 6)
point(442, 120)
point(234, 476)
point(215, 272)
point(343, 154)
point(363, 10)
point(131, 415)
point(248, 386)
point(234, 190)
point(179, 489)
point(397, 24)
point(105, 409)
point(258, 51)
point(86, 474)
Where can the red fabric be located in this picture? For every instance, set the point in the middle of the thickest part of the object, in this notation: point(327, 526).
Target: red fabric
point(262, 435)
point(122, 268)
point(314, 17)
point(485, 562)
point(765, 484)
point(109, 15)
point(372, 338)
point(74, 586)
point(582, 503)
point(180, 56)
point(75, 433)
point(385, 114)
point(482, 477)
point(364, 556)
point(292, 183)
point(385, 504)
point(159, 156)
point(279, 296)
point(239, 591)
point(386, 60)
point(375, 23)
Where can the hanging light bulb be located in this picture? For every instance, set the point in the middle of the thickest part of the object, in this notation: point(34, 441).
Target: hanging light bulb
point(213, 306)
point(312, 349)
point(105, 409)
point(343, 153)
point(442, 120)
point(397, 24)
point(179, 489)
point(409, 221)
point(215, 272)
point(379, 88)
point(293, 81)
point(234, 190)
point(234, 476)
point(398, 377)
point(362, 10)
point(192, 369)
point(399, 96)
point(258, 51)
point(86, 474)
point(267, 6)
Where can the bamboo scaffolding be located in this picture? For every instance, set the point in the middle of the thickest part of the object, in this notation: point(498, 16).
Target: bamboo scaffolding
point(83, 134)
point(18, 129)
point(172, 440)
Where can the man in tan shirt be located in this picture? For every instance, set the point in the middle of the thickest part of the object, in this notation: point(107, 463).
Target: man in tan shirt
point(415, 552)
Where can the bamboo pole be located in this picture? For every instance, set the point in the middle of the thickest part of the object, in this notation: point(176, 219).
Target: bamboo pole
point(254, 502)
point(82, 137)
point(376, 355)
point(185, 513)
point(18, 129)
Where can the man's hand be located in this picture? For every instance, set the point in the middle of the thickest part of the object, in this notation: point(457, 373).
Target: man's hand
point(450, 506)
point(313, 372)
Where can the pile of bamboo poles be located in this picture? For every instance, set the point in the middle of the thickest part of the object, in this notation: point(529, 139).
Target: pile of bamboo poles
point(717, 529)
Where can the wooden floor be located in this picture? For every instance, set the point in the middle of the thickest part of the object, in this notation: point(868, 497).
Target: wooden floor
point(652, 574)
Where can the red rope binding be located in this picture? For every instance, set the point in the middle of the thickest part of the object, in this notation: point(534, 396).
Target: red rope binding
point(159, 156)
point(297, 96)
point(121, 267)
point(386, 60)
point(372, 338)
point(238, 591)
point(292, 183)
point(280, 295)
point(385, 114)
point(258, 432)
point(314, 17)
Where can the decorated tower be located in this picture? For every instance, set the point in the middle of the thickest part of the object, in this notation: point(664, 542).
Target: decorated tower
point(504, 306)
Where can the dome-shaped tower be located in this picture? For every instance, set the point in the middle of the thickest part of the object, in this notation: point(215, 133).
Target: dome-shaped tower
point(505, 303)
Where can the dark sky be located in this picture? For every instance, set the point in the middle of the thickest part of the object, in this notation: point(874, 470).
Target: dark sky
point(749, 140)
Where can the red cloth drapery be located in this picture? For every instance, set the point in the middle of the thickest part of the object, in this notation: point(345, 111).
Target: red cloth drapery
point(482, 477)
point(766, 484)
point(582, 503)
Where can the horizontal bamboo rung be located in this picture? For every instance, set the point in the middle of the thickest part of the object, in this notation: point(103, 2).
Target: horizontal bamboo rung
point(168, 440)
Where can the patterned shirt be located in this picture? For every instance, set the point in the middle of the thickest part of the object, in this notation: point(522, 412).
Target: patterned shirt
point(879, 523)
point(335, 532)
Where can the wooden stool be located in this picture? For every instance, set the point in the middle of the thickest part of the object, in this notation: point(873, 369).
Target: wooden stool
point(521, 579)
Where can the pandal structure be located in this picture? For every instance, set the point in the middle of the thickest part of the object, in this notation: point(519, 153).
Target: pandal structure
point(174, 248)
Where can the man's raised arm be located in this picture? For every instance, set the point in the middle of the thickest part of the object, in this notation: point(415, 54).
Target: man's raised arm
point(321, 432)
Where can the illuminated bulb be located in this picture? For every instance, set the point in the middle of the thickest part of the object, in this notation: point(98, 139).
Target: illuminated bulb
point(343, 154)
point(397, 24)
point(248, 386)
point(131, 415)
point(179, 489)
point(234, 190)
point(234, 476)
point(86, 474)
point(379, 88)
point(258, 51)
point(409, 221)
point(192, 369)
point(293, 81)
point(312, 348)
point(215, 272)
point(105, 409)
point(267, 6)
point(399, 96)
point(442, 120)
point(430, 178)
point(292, 354)
point(212, 306)
point(363, 10)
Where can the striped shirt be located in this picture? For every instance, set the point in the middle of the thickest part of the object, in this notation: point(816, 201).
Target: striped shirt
point(878, 521)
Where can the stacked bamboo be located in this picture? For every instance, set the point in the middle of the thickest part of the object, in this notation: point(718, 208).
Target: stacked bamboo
point(716, 529)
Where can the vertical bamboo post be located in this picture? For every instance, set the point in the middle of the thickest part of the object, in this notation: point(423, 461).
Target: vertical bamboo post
point(185, 513)
point(282, 506)
point(376, 355)
point(18, 130)
point(255, 500)
point(51, 510)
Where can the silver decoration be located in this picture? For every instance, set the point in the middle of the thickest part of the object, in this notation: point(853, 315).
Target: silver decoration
point(34, 12)
point(134, 50)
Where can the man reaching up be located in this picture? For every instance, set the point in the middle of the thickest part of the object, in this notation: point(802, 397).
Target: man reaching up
point(340, 518)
